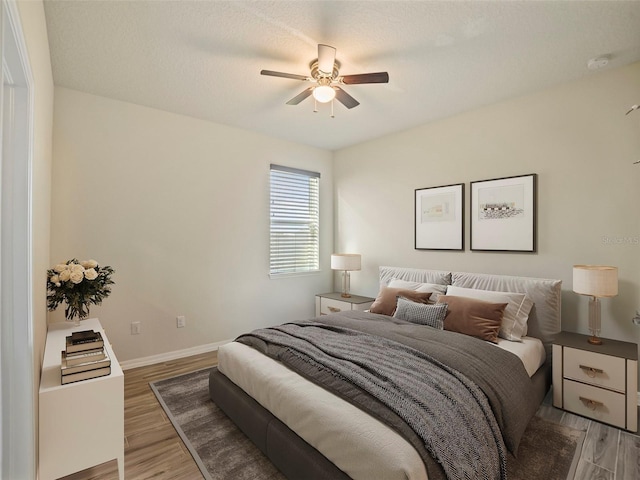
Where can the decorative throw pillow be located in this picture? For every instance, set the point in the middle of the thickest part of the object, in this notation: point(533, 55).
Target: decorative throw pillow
point(514, 322)
point(430, 315)
point(434, 288)
point(476, 318)
point(386, 301)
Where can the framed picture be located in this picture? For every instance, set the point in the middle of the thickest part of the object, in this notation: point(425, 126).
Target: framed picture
point(503, 214)
point(439, 218)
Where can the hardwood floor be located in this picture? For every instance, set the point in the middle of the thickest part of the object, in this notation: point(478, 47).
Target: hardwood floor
point(153, 449)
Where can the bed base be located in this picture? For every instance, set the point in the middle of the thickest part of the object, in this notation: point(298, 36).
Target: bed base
point(294, 457)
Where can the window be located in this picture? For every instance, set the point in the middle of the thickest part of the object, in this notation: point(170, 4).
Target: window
point(295, 221)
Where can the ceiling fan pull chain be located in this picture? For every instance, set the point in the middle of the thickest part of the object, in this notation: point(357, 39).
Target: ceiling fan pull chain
point(332, 115)
point(315, 105)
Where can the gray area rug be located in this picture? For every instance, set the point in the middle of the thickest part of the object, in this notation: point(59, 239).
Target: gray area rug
point(548, 451)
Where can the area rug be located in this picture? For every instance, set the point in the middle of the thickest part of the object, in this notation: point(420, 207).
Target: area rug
point(548, 451)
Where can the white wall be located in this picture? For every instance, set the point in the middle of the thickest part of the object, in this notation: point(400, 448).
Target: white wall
point(578, 140)
point(179, 208)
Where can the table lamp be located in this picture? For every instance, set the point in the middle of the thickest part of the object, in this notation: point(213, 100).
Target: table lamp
point(346, 262)
point(597, 281)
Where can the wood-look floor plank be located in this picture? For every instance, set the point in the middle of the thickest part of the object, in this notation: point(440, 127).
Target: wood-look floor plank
point(601, 446)
point(549, 412)
point(628, 465)
point(575, 421)
point(589, 471)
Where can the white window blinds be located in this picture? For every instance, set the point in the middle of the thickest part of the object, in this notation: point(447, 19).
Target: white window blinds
point(295, 221)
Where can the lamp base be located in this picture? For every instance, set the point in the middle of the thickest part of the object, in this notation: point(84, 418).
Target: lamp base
point(594, 321)
point(346, 283)
point(593, 340)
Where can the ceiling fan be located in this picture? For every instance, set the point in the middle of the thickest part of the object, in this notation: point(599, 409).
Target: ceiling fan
point(325, 75)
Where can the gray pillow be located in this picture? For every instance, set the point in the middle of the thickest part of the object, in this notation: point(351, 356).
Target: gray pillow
point(430, 315)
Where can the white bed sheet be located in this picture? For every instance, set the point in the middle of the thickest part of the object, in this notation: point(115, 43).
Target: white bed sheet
point(360, 445)
point(530, 351)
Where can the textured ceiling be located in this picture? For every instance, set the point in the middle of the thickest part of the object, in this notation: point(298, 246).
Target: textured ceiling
point(203, 58)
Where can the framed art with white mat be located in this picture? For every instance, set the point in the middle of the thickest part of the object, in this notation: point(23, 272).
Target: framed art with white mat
point(439, 218)
point(503, 214)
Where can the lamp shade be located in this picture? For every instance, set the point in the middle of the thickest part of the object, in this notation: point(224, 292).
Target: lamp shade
point(345, 261)
point(595, 280)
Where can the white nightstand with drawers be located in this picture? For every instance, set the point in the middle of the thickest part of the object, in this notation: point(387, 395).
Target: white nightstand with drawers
point(334, 302)
point(596, 381)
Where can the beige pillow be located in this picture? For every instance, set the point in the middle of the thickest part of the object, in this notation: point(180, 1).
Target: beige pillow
point(473, 317)
point(387, 299)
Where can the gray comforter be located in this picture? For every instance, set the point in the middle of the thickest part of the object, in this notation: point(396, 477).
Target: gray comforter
point(448, 394)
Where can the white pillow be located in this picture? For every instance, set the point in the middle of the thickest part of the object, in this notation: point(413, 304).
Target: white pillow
point(434, 288)
point(514, 322)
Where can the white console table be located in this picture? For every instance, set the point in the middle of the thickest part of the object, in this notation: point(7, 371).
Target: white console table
point(81, 424)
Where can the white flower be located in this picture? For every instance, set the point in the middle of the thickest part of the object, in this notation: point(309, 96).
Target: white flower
point(77, 276)
point(89, 264)
point(54, 279)
point(76, 267)
point(64, 275)
point(61, 267)
point(90, 274)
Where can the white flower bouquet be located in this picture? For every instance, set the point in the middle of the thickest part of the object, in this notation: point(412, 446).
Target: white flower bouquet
point(78, 284)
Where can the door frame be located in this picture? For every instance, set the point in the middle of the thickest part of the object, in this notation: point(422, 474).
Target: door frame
point(18, 376)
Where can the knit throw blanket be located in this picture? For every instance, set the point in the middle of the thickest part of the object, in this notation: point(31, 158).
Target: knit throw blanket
point(449, 412)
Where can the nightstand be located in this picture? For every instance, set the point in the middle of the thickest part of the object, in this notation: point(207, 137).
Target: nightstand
point(596, 381)
point(334, 302)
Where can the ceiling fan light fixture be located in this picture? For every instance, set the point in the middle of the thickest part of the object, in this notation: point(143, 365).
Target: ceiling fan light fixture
point(324, 93)
point(326, 80)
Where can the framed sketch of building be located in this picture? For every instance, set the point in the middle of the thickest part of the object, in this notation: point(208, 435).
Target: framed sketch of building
point(503, 214)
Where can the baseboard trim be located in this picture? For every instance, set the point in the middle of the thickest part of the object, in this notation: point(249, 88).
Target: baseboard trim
point(168, 356)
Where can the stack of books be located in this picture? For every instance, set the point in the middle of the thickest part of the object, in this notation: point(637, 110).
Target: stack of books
point(84, 357)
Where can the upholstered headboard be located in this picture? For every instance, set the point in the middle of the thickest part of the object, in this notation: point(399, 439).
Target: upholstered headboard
point(544, 319)
point(414, 275)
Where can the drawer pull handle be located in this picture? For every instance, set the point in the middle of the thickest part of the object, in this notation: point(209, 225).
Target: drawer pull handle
point(591, 404)
point(334, 309)
point(590, 371)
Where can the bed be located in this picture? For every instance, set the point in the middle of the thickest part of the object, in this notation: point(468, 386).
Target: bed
point(315, 417)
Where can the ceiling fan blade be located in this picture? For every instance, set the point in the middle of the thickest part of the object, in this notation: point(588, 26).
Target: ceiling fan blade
point(345, 99)
point(379, 77)
point(292, 76)
point(301, 96)
point(326, 59)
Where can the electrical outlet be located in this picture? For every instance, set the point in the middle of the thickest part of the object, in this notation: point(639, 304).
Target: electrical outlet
point(136, 328)
point(181, 321)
